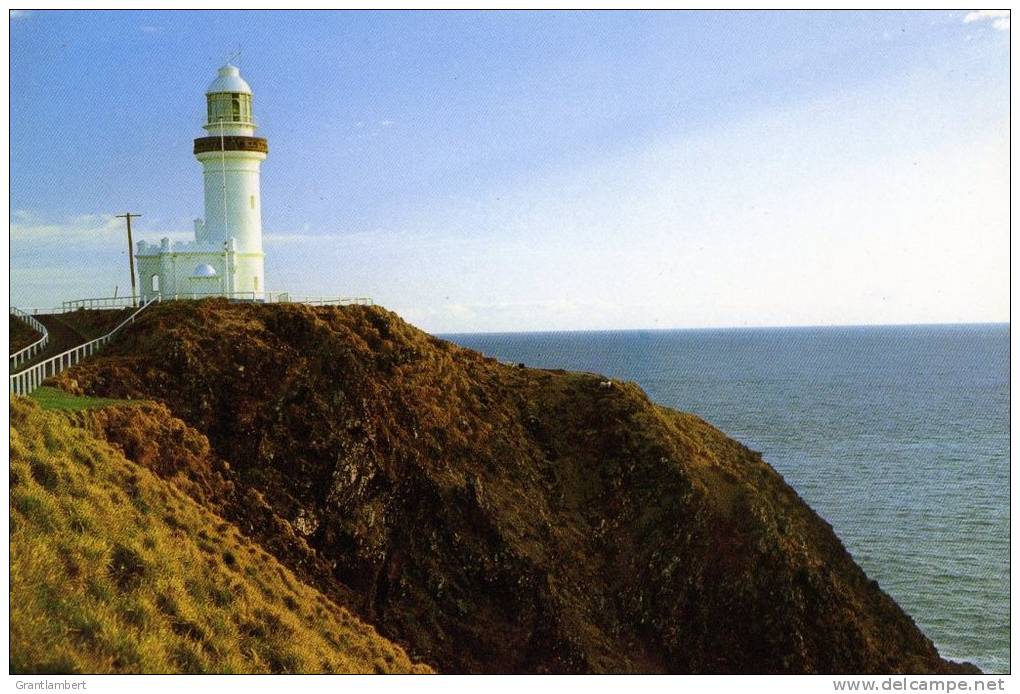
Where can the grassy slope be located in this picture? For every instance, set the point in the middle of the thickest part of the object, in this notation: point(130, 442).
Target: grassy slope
point(115, 570)
point(55, 399)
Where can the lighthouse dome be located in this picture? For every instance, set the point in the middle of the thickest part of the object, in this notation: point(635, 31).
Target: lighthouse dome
point(228, 79)
point(204, 270)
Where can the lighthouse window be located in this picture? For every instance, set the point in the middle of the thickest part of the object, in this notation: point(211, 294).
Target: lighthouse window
point(155, 283)
point(251, 201)
point(219, 107)
point(232, 107)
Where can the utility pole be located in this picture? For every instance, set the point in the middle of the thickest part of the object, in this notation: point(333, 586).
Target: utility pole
point(131, 252)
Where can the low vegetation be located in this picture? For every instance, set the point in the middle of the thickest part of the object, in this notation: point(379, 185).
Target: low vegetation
point(115, 570)
point(22, 335)
point(492, 518)
point(91, 324)
point(50, 398)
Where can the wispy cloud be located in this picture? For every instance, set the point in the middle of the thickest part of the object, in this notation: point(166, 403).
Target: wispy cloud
point(19, 14)
point(374, 236)
point(270, 237)
point(27, 225)
point(30, 229)
point(998, 18)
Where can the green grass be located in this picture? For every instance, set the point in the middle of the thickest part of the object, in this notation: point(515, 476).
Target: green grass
point(55, 399)
point(116, 570)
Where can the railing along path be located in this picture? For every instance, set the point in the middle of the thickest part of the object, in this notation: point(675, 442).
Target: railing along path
point(108, 302)
point(23, 355)
point(24, 382)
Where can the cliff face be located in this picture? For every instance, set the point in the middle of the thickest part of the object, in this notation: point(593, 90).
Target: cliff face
point(491, 518)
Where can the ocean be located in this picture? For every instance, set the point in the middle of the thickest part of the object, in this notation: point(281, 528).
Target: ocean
point(897, 435)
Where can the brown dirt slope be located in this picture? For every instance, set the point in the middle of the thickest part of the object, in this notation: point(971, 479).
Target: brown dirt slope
point(22, 335)
point(495, 519)
point(91, 324)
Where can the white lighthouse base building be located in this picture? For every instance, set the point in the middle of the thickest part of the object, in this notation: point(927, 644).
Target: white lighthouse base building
point(191, 269)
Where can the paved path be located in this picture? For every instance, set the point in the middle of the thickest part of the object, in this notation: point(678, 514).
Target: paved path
point(62, 338)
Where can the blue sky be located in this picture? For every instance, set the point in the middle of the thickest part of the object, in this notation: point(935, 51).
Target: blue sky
point(534, 170)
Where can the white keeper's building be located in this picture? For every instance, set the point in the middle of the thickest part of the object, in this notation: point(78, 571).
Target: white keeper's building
point(226, 256)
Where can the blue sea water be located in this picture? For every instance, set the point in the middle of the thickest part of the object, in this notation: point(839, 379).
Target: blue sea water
point(897, 435)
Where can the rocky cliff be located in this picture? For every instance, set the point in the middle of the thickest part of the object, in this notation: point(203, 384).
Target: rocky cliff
point(489, 518)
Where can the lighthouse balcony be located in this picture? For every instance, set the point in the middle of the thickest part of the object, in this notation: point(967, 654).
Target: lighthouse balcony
point(231, 143)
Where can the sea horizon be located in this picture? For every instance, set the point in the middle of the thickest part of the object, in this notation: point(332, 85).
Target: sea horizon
point(806, 326)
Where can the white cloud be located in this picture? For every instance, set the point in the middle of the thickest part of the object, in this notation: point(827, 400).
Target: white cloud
point(29, 228)
point(56, 258)
point(999, 18)
point(277, 238)
point(980, 15)
point(19, 14)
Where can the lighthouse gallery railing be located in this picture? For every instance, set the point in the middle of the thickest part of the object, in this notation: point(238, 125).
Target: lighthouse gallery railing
point(24, 382)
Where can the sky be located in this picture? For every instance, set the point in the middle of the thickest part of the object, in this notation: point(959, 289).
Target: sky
point(515, 171)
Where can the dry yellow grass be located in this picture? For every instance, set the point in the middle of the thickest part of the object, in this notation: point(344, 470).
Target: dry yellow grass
point(114, 570)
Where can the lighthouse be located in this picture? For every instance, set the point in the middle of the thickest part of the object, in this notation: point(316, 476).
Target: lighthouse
point(226, 257)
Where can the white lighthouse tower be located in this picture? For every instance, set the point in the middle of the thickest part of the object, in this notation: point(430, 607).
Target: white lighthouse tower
point(226, 256)
point(231, 156)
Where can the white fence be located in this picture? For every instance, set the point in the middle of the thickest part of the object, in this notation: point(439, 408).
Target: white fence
point(108, 302)
point(24, 382)
point(326, 300)
point(23, 355)
point(100, 303)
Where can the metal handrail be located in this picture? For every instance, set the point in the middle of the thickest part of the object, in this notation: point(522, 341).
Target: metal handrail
point(26, 353)
point(100, 302)
point(44, 310)
point(329, 301)
point(272, 298)
point(24, 382)
point(194, 296)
